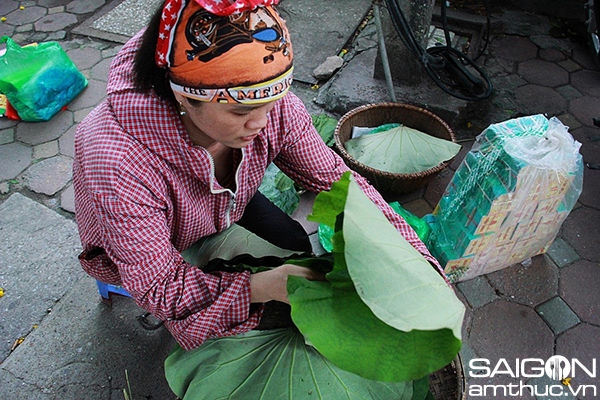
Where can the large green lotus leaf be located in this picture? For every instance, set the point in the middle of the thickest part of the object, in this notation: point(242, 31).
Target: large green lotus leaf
point(279, 189)
point(271, 365)
point(401, 150)
point(325, 126)
point(328, 205)
point(397, 283)
point(232, 242)
point(340, 323)
point(342, 328)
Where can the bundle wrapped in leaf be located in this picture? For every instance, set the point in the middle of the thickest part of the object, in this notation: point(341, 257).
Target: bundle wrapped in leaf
point(381, 323)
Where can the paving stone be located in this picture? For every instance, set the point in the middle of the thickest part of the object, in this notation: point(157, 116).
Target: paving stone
point(66, 143)
point(85, 58)
point(589, 137)
point(26, 16)
point(437, 186)
point(15, 158)
point(524, 23)
point(38, 264)
point(7, 136)
point(40, 132)
point(552, 55)
point(557, 315)
point(6, 7)
point(55, 22)
point(125, 20)
point(591, 188)
point(467, 354)
point(7, 29)
point(24, 28)
point(67, 199)
point(581, 342)
point(21, 38)
point(509, 82)
point(537, 99)
point(569, 121)
point(111, 51)
point(100, 70)
point(84, 6)
point(82, 349)
point(53, 3)
point(561, 253)
point(530, 285)
point(478, 291)
point(499, 67)
point(569, 92)
point(58, 35)
point(313, 46)
point(7, 123)
point(50, 175)
point(570, 65)
point(514, 48)
point(504, 329)
point(579, 288)
point(418, 207)
point(583, 57)
point(466, 147)
point(582, 230)
point(45, 150)
point(587, 82)
point(544, 73)
point(56, 10)
point(93, 94)
point(548, 42)
point(79, 115)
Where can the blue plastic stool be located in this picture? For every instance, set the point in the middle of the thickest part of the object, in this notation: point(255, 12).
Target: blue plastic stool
point(107, 290)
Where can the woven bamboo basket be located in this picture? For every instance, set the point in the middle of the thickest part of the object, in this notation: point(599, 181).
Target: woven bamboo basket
point(373, 115)
point(449, 383)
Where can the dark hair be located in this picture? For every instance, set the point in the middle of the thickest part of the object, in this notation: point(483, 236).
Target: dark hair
point(147, 75)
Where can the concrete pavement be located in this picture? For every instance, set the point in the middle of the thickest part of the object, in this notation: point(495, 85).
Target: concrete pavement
point(75, 347)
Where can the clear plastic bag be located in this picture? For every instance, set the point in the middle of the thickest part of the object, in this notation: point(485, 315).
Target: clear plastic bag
point(508, 198)
point(38, 80)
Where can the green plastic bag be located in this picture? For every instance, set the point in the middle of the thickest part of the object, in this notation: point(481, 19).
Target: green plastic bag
point(38, 80)
point(420, 226)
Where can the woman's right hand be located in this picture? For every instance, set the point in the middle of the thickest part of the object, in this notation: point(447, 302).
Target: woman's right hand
point(272, 285)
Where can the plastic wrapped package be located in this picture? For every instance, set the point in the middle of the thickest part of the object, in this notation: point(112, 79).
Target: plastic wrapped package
point(508, 198)
point(38, 80)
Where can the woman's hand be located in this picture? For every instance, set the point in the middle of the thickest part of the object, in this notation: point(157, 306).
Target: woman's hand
point(272, 285)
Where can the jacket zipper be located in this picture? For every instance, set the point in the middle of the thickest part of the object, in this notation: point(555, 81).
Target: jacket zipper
point(232, 200)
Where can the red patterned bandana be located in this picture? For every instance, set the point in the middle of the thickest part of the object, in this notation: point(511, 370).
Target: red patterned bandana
point(225, 51)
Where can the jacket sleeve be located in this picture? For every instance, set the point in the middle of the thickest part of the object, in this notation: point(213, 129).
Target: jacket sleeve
point(308, 160)
point(195, 306)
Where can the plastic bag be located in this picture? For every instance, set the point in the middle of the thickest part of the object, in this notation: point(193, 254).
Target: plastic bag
point(420, 226)
point(38, 80)
point(508, 198)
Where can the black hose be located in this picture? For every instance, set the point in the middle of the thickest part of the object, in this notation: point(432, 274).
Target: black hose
point(450, 69)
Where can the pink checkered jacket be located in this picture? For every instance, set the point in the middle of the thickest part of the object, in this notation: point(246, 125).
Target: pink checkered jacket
point(144, 193)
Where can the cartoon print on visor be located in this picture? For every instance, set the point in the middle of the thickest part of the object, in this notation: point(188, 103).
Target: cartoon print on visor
point(211, 36)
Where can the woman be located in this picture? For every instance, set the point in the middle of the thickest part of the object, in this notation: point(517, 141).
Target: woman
point(197, 107)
